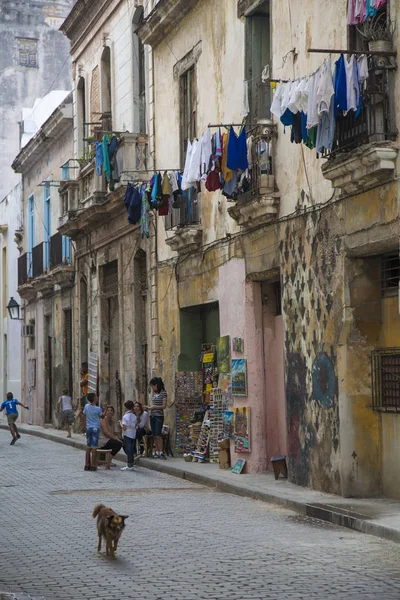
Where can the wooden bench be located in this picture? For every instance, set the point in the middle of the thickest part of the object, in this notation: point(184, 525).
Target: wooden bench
point(104, 456)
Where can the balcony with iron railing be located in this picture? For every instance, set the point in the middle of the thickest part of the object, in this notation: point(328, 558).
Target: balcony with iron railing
point(363, 152)
point(34, 275)
point(89, 202)
point(183, 224)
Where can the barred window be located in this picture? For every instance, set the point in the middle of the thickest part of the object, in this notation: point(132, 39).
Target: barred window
point(385, 365)
point(390, 274)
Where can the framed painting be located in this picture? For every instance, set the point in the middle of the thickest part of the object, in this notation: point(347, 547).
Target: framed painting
point(239, 465)
point(224, 354)
point(241, 429)
point(239, 377)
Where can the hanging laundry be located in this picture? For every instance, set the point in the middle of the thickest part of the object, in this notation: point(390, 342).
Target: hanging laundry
point(226, 173)
point(352, 84)
point(245, 105)
point(133, 203)
point(237, 150)
point(206, 153)
point(106, 157)
point(166, 194)
point(340, 85)
point(145, 211)
point(191, 173)
point(112, 153)
point(213, 183)
point(325, 89)
point(99, 158)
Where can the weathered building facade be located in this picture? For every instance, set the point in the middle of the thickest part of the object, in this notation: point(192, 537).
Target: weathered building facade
point(305, 267)
point(115, 320)
point(10, 237)
point(34, 60)
point(45, 268)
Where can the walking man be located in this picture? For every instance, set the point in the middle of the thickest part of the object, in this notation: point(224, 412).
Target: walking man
point(12, 415)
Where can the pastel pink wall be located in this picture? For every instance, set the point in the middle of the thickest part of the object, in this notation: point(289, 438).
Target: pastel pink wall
point(241, 316)
point(276, 427)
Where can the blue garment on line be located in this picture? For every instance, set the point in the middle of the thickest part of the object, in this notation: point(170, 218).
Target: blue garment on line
point(99, 158)
point(237, 150)
point(340, 86)
point(287, 118)
point(106, 158)
point(135, 207)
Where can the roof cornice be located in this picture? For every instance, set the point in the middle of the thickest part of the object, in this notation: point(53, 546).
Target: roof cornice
point(163, 19)
point(52, 130)
point(82, 19)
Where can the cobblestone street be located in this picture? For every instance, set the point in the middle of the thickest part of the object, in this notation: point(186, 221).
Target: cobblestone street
point(182, 540)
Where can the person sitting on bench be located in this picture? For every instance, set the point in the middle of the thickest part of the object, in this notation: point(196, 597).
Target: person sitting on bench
point(108, 438)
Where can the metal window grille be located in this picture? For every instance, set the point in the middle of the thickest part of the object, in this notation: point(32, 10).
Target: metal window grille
point(110, 279)
point(385, 367)
point(28, 52)
point(187, 212)
point(390, 274)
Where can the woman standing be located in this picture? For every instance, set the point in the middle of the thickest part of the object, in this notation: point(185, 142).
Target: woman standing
point(143, 425)
point(67, 412)
point(108, 439)
point(159, 403)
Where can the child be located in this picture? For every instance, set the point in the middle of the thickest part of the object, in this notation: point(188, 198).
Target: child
point(67, 412)
point(12, 415)
point(128, 425)
point(92, 414)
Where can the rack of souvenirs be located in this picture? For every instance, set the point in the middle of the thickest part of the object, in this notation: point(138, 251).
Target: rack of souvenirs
point(311, 105)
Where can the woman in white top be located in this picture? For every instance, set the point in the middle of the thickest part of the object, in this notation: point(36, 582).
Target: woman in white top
point(143, 427)
point(67, 411)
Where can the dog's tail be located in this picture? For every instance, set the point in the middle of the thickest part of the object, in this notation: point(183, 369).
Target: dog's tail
point(97, 509)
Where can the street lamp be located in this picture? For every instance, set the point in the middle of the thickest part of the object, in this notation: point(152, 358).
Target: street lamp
point(13, 309)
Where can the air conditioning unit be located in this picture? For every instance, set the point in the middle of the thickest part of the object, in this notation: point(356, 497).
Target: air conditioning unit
point(28, 331)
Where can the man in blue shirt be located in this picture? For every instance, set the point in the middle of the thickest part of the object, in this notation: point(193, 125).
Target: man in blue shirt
point(12, 415)
point(93, 414)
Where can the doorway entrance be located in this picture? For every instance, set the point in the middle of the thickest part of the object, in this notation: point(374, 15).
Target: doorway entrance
point(48, 403)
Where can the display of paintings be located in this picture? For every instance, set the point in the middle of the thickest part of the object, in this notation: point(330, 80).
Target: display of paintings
point(225, 383)
point(239, 377)
point(239, 465)
point(227, 423)
point(241, 429)
point(238, 345)
point(224, 354)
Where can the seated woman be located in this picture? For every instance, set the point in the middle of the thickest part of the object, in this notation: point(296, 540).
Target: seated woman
point(108, 439)
point(143, 425)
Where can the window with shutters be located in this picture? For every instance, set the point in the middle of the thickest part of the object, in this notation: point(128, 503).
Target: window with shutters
point(257, 56)
point(188, 109)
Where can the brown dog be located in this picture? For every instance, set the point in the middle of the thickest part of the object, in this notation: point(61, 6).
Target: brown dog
point(110, 526)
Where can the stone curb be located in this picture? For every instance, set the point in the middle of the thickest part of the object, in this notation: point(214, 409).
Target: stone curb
point(324, 513)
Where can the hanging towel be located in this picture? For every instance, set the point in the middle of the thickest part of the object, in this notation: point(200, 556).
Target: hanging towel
point(226, 173)
point(237, 150)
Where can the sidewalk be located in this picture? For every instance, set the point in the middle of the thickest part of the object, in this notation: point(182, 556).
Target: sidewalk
point(376, 516)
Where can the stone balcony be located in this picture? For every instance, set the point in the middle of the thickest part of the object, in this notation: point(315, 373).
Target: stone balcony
point(164, 17)
point(259, 207)
point(362, 168)
point(186, 239)
point(88, 203)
